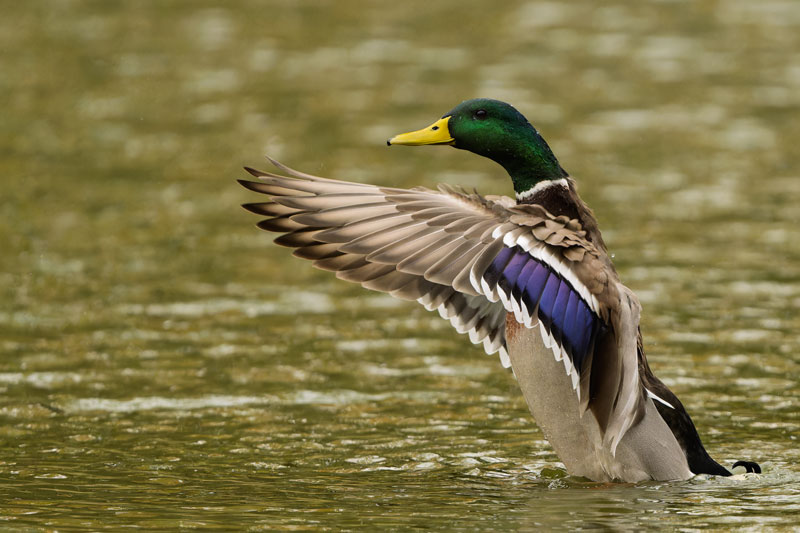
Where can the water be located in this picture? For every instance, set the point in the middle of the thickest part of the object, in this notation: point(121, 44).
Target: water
point(163, 365)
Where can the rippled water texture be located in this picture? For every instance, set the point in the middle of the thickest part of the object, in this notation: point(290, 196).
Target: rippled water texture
point(163, 365)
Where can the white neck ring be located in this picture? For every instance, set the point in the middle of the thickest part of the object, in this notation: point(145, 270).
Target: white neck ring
point(540, 186)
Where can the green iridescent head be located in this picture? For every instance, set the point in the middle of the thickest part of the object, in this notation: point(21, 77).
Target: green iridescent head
point(496, 130)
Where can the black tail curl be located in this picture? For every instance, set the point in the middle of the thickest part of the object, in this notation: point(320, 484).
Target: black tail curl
point(750, 466)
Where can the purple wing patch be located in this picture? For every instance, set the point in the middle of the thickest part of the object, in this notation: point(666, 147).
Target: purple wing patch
point(553, 300)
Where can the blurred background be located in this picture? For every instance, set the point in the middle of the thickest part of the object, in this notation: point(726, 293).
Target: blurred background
point(163, 364)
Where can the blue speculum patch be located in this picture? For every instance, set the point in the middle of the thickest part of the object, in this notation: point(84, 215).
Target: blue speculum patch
point(562, 311)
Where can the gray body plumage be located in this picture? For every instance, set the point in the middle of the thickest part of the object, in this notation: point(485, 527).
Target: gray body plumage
point(647, 451)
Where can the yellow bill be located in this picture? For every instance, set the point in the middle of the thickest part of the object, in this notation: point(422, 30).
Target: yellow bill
point(436, 133)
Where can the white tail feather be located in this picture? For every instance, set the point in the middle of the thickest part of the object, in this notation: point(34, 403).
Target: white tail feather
point(659, 399)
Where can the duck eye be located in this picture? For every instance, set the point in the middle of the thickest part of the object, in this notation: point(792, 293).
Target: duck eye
point(480, 114)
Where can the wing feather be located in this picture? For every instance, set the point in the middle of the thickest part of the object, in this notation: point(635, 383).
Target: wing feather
point(475, 260)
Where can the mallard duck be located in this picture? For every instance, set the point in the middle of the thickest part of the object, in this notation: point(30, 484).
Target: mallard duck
point(528, 278)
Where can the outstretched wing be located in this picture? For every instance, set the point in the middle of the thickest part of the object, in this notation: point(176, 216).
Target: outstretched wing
point(474, 259)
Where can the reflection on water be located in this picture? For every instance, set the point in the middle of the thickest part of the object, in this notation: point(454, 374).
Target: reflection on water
point(162, 364)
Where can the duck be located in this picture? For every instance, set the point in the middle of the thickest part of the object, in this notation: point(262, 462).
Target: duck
point(529, 278)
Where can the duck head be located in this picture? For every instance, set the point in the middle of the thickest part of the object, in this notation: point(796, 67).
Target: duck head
point(496, 130)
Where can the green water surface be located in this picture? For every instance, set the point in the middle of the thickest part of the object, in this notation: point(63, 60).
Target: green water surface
point(163, 365)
